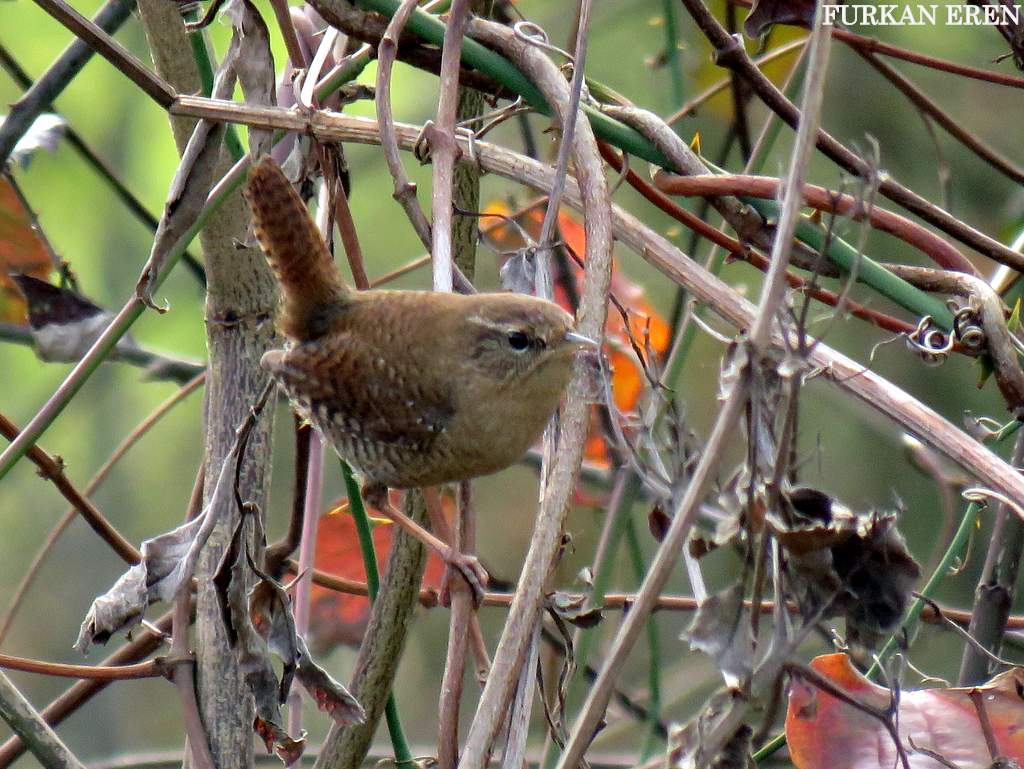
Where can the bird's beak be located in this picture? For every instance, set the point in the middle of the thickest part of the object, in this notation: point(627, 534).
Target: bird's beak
point(579, 339)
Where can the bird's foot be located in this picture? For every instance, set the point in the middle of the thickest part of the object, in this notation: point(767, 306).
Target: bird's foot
point(470, 569)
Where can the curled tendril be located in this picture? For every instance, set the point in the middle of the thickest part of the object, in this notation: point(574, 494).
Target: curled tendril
point(534, 34)
point(981, 495)
point(967, 326)
point(932, 343)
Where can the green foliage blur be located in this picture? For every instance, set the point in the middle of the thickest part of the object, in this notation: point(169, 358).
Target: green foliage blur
point(847, 449)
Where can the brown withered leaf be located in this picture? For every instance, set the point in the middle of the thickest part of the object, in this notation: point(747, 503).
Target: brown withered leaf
point(270, 617)
point(686, 741)
point(277, 740)
point(849, 564)
point(658, 522)
point(250, 57)
point(155, 578)
point(167, 561)
point(194, 178)
point(575, 609)
point(330, 696)
point(721, 629)
point(766, 13)
point(253, 656)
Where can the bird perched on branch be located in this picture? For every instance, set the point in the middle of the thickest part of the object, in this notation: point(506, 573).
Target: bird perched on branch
point(412, 388)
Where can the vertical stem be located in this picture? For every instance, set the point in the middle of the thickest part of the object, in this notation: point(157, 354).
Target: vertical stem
point(307, 553)
point(994, 594)
point(403, 755)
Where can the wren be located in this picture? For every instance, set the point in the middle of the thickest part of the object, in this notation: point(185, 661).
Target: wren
point(412, 388)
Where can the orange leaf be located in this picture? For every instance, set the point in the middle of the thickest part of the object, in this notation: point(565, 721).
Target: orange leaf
point(338, 618)
point(22, 249)
point(821, 728)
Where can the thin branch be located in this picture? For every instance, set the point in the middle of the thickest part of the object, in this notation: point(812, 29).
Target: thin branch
point(574, 418)
point(936, 248)
point(548, 229)
point(158, 366)
point(690, 107)
point(41, 94)
point(94, 483)
point(443, 148)
point(153, 669)
point(737, 250)
point(863, 43)
point(158, 89)
point(27, 724)
point(53, 470)
point(920, 100)
point(405, 190)
point(100, 166)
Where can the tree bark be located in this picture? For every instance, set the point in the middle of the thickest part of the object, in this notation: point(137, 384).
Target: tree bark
point(240, 301)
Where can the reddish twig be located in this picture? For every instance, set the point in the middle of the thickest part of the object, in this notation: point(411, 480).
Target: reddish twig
point(53, 470)
point(736, 249)
point(152, 669)
point(918, 98)
point(863, 43)
point(937, 249)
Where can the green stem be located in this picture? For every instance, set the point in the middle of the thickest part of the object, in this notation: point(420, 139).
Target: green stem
point(652, 741)
point(672, 58)
point(201, 54)
point(403, 754)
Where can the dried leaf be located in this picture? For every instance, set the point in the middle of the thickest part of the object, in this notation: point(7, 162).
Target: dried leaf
point(167, 561)
point(330, 696)
point(686, 742)
point(250, 57)
point(721, 629)
point(575, 608)
point(277, 740)
point(820, 727)
point(518, 273)
point(23, 249)
point(658, 521)
point(155, 578)
point(856, 565)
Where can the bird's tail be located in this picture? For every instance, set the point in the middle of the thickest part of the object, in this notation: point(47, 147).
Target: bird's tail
point(312, 289)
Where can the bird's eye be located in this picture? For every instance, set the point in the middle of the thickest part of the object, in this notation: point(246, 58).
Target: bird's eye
point(518, 340)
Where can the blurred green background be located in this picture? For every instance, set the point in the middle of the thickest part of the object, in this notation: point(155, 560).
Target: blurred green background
point(851, 451)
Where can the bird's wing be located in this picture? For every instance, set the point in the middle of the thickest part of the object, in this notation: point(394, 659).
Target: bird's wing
point(348, 382)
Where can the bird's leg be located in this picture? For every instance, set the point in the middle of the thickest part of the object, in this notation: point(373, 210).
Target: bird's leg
point(440, 524)
point(468, 566)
